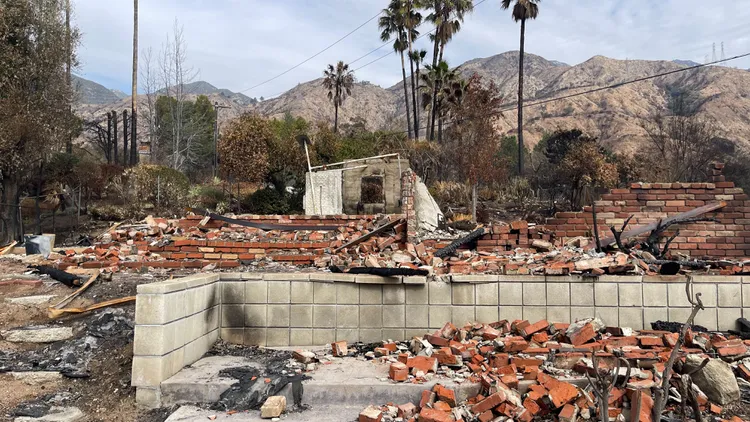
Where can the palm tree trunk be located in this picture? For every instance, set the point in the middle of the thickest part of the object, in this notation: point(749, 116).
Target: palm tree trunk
point(416, 112)
point(414, 96)
point(520, 100)
point(134, 91)
point(406, 97)
point(442, 48)
point(336, 119)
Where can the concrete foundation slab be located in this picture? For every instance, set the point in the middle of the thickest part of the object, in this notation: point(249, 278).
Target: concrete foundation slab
point(56, 414)
point(30, 300)
point(37, 334)
point(200, 382)
point(314, 413)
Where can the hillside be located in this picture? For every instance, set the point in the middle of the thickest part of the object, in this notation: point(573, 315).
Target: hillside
point(90, 92)
point(614, 115)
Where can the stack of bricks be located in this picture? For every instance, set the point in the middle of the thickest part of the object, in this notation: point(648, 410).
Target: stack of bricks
point(508, 237)
point(650, 202)
point(408, 184)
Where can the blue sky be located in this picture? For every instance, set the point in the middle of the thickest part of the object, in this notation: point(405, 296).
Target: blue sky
point(237, 44)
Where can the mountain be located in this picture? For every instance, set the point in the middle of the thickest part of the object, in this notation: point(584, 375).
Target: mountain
point(205, 88)
point(688, 63)
point(616, 116)
point(119, 94)
point(90, 92)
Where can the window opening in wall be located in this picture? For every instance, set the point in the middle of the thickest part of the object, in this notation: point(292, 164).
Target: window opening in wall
point(372, 190)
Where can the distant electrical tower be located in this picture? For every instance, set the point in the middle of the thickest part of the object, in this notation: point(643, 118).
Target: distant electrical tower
point(713, 53)
point(723, 57)
point(705, 59)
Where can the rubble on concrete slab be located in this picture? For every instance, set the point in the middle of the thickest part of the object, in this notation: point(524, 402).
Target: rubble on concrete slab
point(538, 370)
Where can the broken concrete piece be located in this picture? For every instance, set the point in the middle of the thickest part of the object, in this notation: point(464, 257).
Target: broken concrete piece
point(56, 414)
point(30, 300)
point(37, 334)
point(273, 407)
point(35, 378)
point(716, 379)
point(371, 414)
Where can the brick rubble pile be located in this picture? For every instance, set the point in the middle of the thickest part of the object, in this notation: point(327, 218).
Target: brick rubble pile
point(506, 249)
point(537, 370)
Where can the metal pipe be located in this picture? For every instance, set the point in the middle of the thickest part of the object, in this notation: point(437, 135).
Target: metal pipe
point(312, 185)
point(355, 161)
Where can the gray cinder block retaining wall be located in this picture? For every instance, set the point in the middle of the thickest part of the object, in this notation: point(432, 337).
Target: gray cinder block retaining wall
point(177, 321)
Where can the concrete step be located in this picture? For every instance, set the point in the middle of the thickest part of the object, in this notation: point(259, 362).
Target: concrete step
point(350, 381)
point(200, 382)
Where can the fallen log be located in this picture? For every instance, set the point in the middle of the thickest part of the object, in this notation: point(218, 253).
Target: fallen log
point(77, 293)
point(653, 226)
point(451, 249)
point(55, 313)
point(63, 277)
point(6, 250)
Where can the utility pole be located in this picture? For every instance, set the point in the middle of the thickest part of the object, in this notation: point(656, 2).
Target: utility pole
point(216, 136)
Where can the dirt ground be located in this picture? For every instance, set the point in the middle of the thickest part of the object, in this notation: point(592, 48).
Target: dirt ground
point(104, 394)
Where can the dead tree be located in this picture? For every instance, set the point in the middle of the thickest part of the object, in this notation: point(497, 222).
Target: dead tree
point(661, 393)
point(652, 244)
point(125, 134)
point(604, 382)
point(686, 390)
point(115, 136)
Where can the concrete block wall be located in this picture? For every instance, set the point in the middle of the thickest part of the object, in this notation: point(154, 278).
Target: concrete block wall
point(316, 309)
point(177, 322)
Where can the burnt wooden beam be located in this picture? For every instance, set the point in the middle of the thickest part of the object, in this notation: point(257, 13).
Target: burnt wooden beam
point(637, 231)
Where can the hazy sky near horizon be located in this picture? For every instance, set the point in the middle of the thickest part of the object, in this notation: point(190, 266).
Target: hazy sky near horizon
point(236, 44)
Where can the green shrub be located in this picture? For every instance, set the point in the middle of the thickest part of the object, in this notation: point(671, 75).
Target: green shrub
point(208, 197)
point(166, 188)
point(266, 201)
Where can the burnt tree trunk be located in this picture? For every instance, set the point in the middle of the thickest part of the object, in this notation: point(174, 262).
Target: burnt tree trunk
point(10, 212)
point(125, 134)
point(115, 136)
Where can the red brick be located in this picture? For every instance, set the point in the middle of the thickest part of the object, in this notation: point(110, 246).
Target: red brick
point(398, 372)
point(561, 392)
point(650, 341)
point(445, 394)
point(428, 397)
point(422, 363)
point(532, 406)
point(568, 413)
point(434, 415)
point(732, 350)
point(442, 406)
point(486, 416)
point(489, 403)
point(583, 335)
point(534, 328)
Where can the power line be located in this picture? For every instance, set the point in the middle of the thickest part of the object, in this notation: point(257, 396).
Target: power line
point(313, 56)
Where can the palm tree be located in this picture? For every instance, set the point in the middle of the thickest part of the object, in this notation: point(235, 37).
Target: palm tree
point(447, 16)
point(416, 57)
point(134, 91)
point(338, 81)
point(413, 20)
point(69, 143)
point(393, 21)
point(440, 85)
point(522, 10)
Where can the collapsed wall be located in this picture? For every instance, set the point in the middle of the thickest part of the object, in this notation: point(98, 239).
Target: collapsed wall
point(648, 203)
